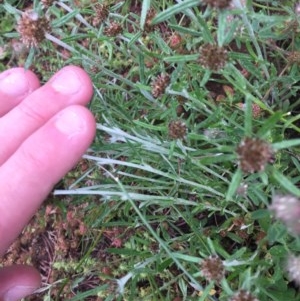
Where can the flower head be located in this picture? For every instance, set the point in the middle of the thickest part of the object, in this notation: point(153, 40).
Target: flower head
point(32, 28)
point(212, 268)
point(113, 29)
point(159, 85)
point(297, 8)
point(177, 129)
point(286, 208)
point(102, 13)
point(47, 3)
point(148, 22)
point(243, 296)
point(293, 268)
point(254, 154)
point(213, 57)
point(218, 3)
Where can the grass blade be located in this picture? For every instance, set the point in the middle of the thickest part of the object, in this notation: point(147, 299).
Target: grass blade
point(285, 182)
point(173, 10)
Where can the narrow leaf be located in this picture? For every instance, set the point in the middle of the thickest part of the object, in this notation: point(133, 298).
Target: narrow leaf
point(235, 182)
point(269, 124)
point(286, 144)
point(173, 10)
point(285, 183)
point(145, 8)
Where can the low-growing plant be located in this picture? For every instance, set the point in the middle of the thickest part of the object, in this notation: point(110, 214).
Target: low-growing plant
point(190, 189)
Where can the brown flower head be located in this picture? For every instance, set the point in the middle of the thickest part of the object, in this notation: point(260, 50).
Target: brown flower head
point(148, 27)
point(293, 268)
point(177, 129)
point(218, 3)
point(213, 57)
point(159, 85)
point(286, 208)
point(113, 29)
point(102, 13)
point(256, 110)
point(47, 3)
point(175, 41)
point(254, 154)
point(212, 268)
point(243, 296)
point(32, 28)
point(294, 57)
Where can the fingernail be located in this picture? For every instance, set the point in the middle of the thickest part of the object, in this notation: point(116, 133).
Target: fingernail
point(70, 123)
point(18, 292)
point(66, 82)
point(14, 83)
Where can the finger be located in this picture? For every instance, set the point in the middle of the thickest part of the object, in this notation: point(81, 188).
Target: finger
point(69, 86)
point(15, 85)
point(17, 282)
point(40, 162)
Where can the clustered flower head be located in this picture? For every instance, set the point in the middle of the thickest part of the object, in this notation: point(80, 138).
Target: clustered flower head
point(32, 28)
point(242, 295)
point(213, 57)
point(102, 13)
point(293, 268)
point(294, 57)
point(113, 29)
point(256, 110)
point(286, 208)
point(47, 3)
point(159, 85)
point(177, 129)
point(212, 268)
point(149, 17)
point(217, 3)
point(254, 154)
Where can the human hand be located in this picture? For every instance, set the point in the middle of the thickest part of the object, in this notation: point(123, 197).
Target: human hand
point(43, 133)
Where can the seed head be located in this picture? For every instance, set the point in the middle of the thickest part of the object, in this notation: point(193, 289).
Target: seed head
point(47, 3)
point(102, 13)
point(175, 41)
point(256, 110)
point(32, 28)
point(254, 154)
point(286, 208)
point(213, 57)
point(212, 268)
point(159, 85)
point(243, 296)
point(294, 57)
point(113, 29)
point(293, 268)
point(148, 27)
point(218, 3)
point(177, 129)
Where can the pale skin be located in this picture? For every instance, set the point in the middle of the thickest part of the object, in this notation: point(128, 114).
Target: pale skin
point(44, 130)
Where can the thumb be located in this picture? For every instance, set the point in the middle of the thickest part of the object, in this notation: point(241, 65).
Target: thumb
point(17, 282)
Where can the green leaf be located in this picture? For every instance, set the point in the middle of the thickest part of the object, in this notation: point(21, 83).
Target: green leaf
point(63, 20)
point(235, 182)
point(285, 144)
point(181, 58)
point(260, 213)
point(145, 8)
point(269, 124)
point(185, 30)
point(285, 182)
point(173, 10)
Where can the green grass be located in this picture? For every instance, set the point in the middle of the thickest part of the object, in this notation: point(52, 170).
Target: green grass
point(175, 202)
